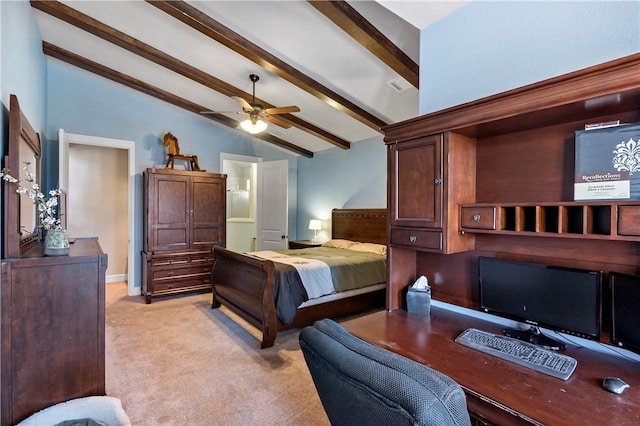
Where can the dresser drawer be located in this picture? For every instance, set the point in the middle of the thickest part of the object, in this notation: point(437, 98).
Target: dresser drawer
point(181, 260)
point(162, 274)
point(478, 217)
point(181, 283)
point(417, 238)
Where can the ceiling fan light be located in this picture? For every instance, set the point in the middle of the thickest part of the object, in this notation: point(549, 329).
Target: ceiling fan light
point(253, 128)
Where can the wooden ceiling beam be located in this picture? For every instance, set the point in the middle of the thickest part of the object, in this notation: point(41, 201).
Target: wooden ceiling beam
point(118, 77)
point(362, 31)
point(92, 26)
point(234, 41)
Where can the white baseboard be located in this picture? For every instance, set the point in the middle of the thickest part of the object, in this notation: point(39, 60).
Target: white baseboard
point(113, 278)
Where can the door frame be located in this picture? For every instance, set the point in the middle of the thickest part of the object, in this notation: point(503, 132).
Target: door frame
point(65, 139)
point(224, 156)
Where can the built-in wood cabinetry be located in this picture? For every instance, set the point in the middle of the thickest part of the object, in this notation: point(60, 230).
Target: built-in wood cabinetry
point(429, 177)
point(185, 216)
point(507, 170)
point(53, 328)
point(598, 220)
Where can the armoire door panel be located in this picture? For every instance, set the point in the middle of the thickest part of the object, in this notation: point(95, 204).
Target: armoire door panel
point(173, 197)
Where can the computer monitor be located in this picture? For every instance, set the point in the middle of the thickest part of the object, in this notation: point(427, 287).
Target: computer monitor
point(560, 299)
point(625, 311)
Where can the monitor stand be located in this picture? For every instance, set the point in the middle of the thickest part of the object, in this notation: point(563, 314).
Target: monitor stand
point(535, 336)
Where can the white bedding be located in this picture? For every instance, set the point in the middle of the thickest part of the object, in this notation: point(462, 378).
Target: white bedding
point(314, 274)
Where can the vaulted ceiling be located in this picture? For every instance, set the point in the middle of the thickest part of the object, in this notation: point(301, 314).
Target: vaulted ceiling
point(351, 67)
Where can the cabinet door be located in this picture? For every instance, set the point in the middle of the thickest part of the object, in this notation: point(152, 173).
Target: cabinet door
point(169, 199)
point(208, 212)
point(416, 182)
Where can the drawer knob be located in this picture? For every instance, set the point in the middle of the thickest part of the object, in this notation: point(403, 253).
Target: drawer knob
point(413, 238)
point(437, 181)
point(476, 218)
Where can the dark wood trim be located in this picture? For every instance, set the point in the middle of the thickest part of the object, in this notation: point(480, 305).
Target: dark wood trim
point(211, 28)
point(93, 67)
point(92, 26)
point(579, 94)
point(17, 241)
point(362, 31)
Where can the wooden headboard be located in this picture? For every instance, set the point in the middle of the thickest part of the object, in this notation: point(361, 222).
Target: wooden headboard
point(362, 225)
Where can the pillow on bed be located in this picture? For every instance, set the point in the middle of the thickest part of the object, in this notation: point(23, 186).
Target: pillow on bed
point(342, 244)
point(380, 249)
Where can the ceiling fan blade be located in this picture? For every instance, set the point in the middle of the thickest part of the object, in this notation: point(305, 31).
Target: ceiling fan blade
point(282, 110)
point(246, 105)
point(277, 121)
point(221, 112)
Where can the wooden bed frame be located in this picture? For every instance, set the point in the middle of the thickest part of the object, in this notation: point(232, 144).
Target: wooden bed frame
point(245, 284)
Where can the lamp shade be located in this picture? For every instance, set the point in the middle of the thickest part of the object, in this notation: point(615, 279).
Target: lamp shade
point(315, 225)
point(253, 127)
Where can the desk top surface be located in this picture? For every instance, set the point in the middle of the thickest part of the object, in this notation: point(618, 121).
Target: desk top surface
point(500, 391)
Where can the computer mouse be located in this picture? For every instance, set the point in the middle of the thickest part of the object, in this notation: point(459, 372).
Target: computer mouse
point(615, 384)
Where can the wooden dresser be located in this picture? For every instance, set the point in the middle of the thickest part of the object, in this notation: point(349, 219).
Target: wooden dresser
point(185, 216)
point(53, 326)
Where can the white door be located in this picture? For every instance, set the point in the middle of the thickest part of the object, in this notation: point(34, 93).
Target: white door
point(273, 191)
point(127, 208)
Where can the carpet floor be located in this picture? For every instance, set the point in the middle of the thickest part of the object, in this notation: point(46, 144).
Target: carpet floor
point(179, 362)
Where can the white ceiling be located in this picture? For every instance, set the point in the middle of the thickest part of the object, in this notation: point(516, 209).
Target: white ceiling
point(293, 31)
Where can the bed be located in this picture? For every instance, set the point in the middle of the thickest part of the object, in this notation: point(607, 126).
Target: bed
point(249, 285)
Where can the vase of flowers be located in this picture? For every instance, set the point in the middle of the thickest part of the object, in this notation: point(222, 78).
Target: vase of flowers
point(56, 242)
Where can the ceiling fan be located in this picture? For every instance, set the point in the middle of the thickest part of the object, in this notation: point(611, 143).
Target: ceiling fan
point(257, 114)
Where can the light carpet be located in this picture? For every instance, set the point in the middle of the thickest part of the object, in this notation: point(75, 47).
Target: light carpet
point(179, 362)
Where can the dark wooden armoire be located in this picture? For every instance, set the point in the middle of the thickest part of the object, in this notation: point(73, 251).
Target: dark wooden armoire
point(185, 216)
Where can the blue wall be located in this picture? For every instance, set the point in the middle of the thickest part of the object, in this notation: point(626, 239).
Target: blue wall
point(22, 67)
point(487, 47)
point(336, 178)
point(83, 103)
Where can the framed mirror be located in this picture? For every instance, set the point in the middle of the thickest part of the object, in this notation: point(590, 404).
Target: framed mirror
point(20, 230)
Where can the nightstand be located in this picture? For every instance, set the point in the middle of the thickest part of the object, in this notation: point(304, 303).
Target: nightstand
point(302, 244)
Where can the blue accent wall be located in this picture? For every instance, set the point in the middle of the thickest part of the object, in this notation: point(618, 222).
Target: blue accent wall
point(83, 103)
point(22, 67)
point(488, 47)
point(337, 178)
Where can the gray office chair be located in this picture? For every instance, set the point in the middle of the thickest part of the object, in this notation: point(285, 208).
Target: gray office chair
point(363, 384)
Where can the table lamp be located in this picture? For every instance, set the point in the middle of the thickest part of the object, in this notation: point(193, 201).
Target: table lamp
point(315, 225)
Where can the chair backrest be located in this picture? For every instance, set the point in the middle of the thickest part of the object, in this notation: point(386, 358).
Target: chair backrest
point(363, 384)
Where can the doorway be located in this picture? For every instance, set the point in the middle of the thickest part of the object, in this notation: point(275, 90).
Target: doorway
point(100, 197)
point(241, 171)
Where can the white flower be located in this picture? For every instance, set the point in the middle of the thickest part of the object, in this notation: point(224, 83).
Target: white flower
point(47, 218)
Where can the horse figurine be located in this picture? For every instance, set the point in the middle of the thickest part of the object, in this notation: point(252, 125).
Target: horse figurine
point(171, 142)
point(173, 153)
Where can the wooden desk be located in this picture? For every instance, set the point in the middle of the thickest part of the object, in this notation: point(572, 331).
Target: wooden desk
point(500, 392)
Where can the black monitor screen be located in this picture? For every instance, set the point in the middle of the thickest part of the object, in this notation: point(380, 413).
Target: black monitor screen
point(561, 299)
point(625, 311)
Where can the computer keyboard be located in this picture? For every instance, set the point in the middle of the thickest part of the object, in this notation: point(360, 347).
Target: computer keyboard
point(519, 352)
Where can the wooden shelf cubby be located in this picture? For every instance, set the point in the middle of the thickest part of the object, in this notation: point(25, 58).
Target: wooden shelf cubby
point(598, 220)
